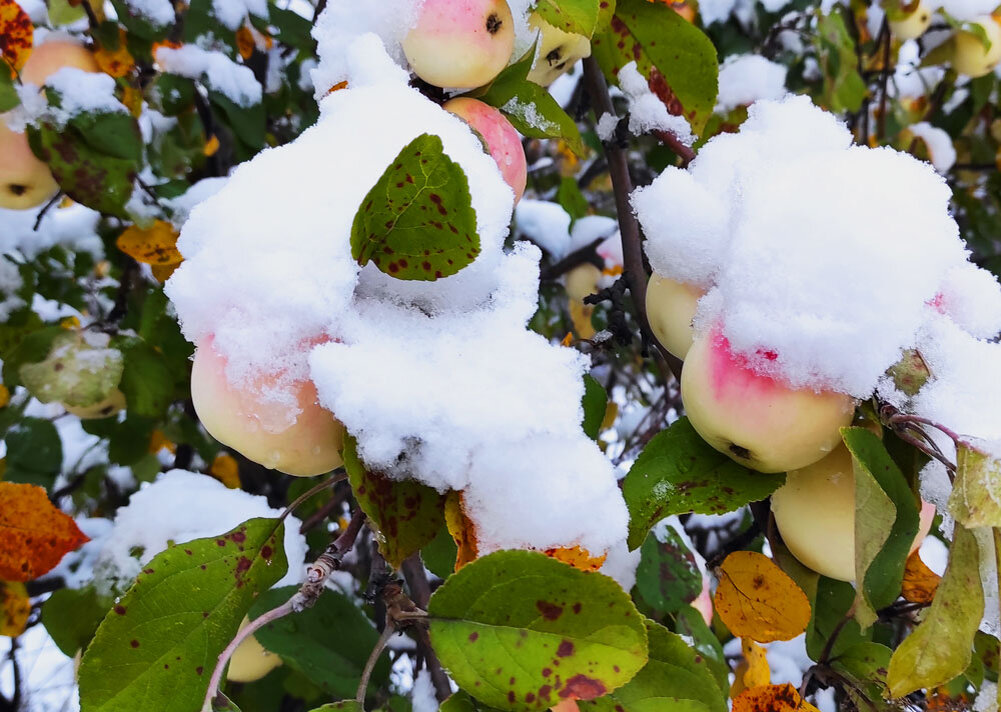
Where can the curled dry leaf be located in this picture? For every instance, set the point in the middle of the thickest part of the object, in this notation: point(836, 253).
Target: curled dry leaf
point(34, 535)
point(15, 606)
point(16, 34)
point(920, 582)
point(461, 528)
point(772, 698)
point(757, 600)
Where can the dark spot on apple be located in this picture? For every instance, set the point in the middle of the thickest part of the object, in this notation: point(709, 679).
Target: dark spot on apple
point(494, 24)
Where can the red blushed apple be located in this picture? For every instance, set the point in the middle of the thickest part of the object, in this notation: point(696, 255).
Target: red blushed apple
point(670, 308)
point(815, 513)
point(258, 429)
point(500, 137)
point(754, 419)
point(460, 44)
point(704, 602)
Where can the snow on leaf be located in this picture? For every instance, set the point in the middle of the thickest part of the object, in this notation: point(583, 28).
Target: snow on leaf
point(920, 582)
point(975, 499)
point(156, 648)
point(417, 222)
point(772, 698)
point(757, 600)
point(524, 631)
point(15, 606)
point(405, 514)
point(155, 245)
point(939, 649)
point(34, 535)
point(16, 34)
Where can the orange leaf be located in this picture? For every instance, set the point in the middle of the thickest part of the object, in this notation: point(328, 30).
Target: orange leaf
point(4, 396)
point(226, 470)
point(577, 557)
point(211, 146)
point(461, 528)
point(16, 34)
point(245, 42)
point(14, 608)
point(920, 582)
point(753, 670)
point(155, 245)
point(757, 600)
point(34, 535)
point(116, 62)
point(772, 698)
point(162, 272)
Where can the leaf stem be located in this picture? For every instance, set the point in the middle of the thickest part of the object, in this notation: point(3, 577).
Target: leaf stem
point(380, 645)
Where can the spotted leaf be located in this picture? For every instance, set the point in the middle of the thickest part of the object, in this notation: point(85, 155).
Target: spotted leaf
point(417, 222)
point(16, 34)
point(34, 535)
point(757, 600)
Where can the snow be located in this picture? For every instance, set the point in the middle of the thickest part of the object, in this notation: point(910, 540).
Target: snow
point(438, 381)
point(606, 127)
point(940, 149)
point(422, 697)
point(966, 10)
point(745, 79)
point(199, 506)
point(546, 224)
point(158, 12)
point(646, 110)
point(201, 191)
point(233, 13)
point(10, 282)
point(796, 231)
point(234, 81)
point(75, 227)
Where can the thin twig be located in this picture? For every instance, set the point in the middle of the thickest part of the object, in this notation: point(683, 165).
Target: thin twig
point(629, 229)
point(388, 632)
point(337, 477)
point(884, 34)
point(41, 213)
point(420, 590)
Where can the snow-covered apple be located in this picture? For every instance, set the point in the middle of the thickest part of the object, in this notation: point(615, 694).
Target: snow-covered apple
point(670, 308)
point(913, 25)
point(815, 513)
point(969, 55)
point(460, 43)
point(49, 57)
point(755, 419)
point(251, 661)
point(557, 53)
point(500, 137)
point(239, 417)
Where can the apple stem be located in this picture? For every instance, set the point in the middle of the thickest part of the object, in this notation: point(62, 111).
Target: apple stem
point(632, 243)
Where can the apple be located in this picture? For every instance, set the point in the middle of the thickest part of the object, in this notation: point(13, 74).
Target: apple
point(582, 281)
point(815, 513)
point(670, 308)
point(259, 429)
point(460, 44)
point(502, 141)
point(757, 420)
point(49, 57)
point(251, 661)
point(557, 53)
point(703, 603)
point(913, 25)
point(969, 57)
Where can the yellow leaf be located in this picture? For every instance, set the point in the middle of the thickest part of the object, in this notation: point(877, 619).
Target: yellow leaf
point(155, 245)
point(14, 608)
point(162, 272)
point(70, 322)
point(133, 100)
point(158, 441)
point(245, 42)
point(577, 557)
point(211, 146)
point(226, 469)
point(461, 528)
point(580, 315)
point(4, 396)
point(567, 340)
point(611, 413)
point(117, 62)
point(772, 698)
point(757, 600)
point(920, 582)
point(17, 33)
point(752, 671)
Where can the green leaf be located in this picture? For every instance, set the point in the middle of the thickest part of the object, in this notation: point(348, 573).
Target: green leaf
point(157, 647)
point(524, 631)
point(578, 17)
point(886, 522)
point(440, 553)
point(342, 706)
point(147, 381)
point(62, 13)
point(864, 665)
point(71, 617)
point(249, 123)
point(138, 24)
point(406, 515)
point(417, 222)
point(689, 621)
point(99, 181)
point(33, 347)
point(8, 94)
point(114, 134)
point(176, 93)
point(939, 649)
point(975, 500)
point(34, 452)
point(463, 702)
point(329, 643)
point(676, 57)
point(667, 576)
point(675, 679)
point(677, 472)
point(571, 199)
point(844, 88)
point(595, 403)
point(831, 603)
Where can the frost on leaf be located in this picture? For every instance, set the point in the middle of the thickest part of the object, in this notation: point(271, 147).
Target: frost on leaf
point(417, 222)
point(34, 535)
point(757, 600)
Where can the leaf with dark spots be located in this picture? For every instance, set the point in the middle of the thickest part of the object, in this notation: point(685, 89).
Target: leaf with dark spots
point(678, 472)
point(557, 657)
point(549, 611)
point(576, 17)
point(188, 609)
point(395, 229)
point(667, 576)
point(405, 514)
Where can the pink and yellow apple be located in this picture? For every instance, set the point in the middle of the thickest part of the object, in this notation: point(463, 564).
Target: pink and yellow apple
point(815, 513)
point(238, 417)
point(557, 53)
point(913, 25)
point(460, 44)
point(500, 137)
point(757, 420)
point(49, 57)
point(251, 661)
point(703, 603)
point(969, 55)
point(670, 308)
